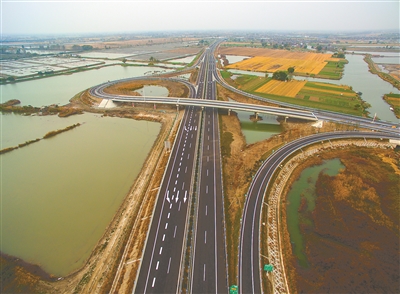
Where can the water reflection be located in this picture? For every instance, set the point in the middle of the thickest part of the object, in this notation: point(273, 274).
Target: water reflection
point(255, 131)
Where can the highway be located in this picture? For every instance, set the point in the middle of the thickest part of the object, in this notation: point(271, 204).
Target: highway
point(209, 272)
point(162, 264)
point(249, 253)
point(161, 268)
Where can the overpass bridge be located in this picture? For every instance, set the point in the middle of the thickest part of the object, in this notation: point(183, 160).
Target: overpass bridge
point(257, 109)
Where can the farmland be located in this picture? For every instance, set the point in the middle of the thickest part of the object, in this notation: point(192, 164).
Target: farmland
point(289, 89)
point(271, 60)
point(340, 98)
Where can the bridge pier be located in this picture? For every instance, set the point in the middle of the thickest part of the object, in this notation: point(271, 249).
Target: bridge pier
point(286, 118)
point(177, 107)
point(256, 115)
point(229, 111)
point(155, 107)
point(133, 104)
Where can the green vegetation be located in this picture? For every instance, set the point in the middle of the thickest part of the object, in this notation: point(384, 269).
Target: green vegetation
point(280, 75)
point(226, 140)
point(315, 95)
point(253, 82)
point(384, 76)
point(333, 70)
point(226, 74)
point(394, 101)
point(195, 59)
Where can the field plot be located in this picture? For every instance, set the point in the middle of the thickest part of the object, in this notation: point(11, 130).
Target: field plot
point(32, 66)
point(250, 83)
point(342, 90)
point(288, 89)
point(270, 60)
point(269, 64)
point(340, 98)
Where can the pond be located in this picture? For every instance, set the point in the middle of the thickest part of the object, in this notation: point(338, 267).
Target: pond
point(304, 187)
point(60, 89)
point(59, 194)
point(255, 131)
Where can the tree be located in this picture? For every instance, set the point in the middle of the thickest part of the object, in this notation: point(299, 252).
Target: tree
point(123, 60)
point(290, 70)
point(319, 48)
point(87, 47)
point(280, 76)
point(76, 48)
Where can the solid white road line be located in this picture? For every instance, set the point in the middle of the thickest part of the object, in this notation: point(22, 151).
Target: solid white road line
point(204, 273)
point(169, 264)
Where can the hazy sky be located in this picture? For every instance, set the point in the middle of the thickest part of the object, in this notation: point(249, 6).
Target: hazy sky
point(57, 16)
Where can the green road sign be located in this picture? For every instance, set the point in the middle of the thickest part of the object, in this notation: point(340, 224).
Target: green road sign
point(268, 267)
point(233, 289)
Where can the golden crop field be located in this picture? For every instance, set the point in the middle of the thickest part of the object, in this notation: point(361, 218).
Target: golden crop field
point(271, 60)
point(275, 87)
point(269, 64)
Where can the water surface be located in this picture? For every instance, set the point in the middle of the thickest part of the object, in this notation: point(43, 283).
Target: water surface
point(255, 131)
point(59, 194)
point(60, 89)
point(305, 187)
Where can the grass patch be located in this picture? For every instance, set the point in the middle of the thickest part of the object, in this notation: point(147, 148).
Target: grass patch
point(226, 140)
point(253, 83)
point(394, 101)
point(226, 74)
point(333, 70)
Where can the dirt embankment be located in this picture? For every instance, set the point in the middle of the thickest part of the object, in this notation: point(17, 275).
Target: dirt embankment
point(392, 77)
